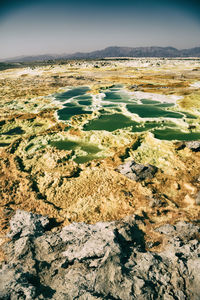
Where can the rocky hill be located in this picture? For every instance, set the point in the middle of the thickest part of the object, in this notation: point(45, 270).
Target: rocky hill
point(116, 52)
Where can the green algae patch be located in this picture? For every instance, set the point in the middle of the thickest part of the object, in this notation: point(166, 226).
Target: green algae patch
point(72, 145)
point(86, 158)
point(14, 131)
point(147, 101)
point(165, 105)
point(85, 102)
point(64, 145)
point(117, 97)
point(82, 152)
point(175, 134)
point(68, 112)
point(148, 125)
point(152, 111)
point(90, 148)
point(72, 93)
point(27, 148)
point(110, 123)
point(84, 97)
point(4, 144)
point(188, 115)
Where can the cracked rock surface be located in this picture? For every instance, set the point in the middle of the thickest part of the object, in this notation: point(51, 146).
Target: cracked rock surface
point(107, 260)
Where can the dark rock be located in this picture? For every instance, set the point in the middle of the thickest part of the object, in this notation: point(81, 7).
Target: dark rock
point(136, 171)
point(101, 261)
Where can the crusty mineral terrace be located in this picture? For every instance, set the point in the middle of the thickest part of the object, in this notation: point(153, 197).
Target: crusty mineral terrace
point(36, 176)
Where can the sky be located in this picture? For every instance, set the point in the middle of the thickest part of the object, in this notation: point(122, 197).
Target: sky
point(32, 27)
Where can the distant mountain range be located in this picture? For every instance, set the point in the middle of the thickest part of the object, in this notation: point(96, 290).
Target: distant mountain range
point(114, 52)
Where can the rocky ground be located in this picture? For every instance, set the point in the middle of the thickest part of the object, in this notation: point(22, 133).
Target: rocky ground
point(156, 182)
point(103, 261)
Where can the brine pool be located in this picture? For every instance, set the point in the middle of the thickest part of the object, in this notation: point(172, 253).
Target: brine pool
point(117, 109)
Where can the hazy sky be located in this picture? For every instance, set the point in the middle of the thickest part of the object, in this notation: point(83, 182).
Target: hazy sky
point(59, 26)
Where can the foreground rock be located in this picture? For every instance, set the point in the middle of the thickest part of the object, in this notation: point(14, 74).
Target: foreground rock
point(101, 261)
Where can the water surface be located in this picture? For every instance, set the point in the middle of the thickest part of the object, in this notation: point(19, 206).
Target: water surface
point(111, 104)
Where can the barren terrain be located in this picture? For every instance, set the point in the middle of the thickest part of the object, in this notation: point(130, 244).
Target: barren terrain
point(38, 177)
